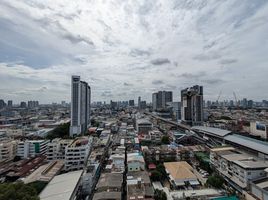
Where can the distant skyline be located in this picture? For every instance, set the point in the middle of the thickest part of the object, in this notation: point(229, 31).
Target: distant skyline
point(126, 49)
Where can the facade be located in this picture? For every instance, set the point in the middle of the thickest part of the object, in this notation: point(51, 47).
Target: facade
point(56, 149)
point(76, 153)
point(259, 129)
point(32, 148)
point(135, 162)
point(258, 188)
point(131, 103)
point(10, 103)
point(8, 149)
point(237, 167)
point(192, 105)
point(161, 98)
point(143, 126)
point(80, 106)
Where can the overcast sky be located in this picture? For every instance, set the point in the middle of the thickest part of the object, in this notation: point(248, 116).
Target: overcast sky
point(130, 48)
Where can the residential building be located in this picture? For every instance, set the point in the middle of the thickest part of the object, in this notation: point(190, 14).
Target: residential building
point(161, 98)
point(259, 129)
point(192, 105)
point(143, 125)
point(139, 186)
point(80, 106)
point(8, 149)
point(56, 149)
point(76, 153)
point(237, 167)
point(259, 189)
point(135, 162)
point(181, 174)
point(32, 148)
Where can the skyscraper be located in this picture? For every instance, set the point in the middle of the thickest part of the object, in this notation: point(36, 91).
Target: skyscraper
point(192, 105)
point(9, 103)
point(139, 102)
point(131, 103)
point(80, 106)
point(161, 98)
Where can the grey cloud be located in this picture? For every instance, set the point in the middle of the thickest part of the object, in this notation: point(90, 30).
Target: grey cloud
point(194, 76)
point(157, 82)
point(228, 61)
point(128, 84)
point(213, 81)
point(139, 52)
point(160, 61)
point(206, 57)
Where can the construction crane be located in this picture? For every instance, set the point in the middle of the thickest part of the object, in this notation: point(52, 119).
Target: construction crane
point(236, 102)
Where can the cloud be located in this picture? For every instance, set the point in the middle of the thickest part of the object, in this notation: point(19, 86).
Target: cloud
point(157, 82)
point(124, 51)
point(228, 61)
point(160, 61)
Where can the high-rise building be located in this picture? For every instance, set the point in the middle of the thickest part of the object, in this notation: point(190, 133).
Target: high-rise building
point(131, 103)
point(2, 103)
point(139, 102)
point(23, 104)
point(80, 106)
point(192, 105)
point(161, 98)
point(9, 103)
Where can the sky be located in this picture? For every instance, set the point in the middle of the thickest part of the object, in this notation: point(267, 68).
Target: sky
point(130, 48)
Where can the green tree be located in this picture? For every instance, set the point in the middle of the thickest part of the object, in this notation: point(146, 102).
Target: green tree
point(160, 195)
point(215, 181)
point(156, 175)
point(18, 191)
point(62, 131)
point(165, 140)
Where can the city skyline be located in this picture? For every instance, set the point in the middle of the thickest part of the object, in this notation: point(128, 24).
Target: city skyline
point(129, 49)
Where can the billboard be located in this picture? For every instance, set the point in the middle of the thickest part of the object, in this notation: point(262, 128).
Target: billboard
point(260, 126)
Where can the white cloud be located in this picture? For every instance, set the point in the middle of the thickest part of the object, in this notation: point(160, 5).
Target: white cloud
point(115, 44)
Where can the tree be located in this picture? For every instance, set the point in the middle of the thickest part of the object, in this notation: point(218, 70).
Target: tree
point(165, 140)
point(62, 131)
point(215, 181)
point(156, 175)
point(18, 191)
point(160, 195)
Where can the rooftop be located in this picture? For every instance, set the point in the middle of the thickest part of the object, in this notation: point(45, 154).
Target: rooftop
point(107, 195)
point(179, 170)
point(251, 143)
point(110, 180)
point(212, 131)
point(61, 186)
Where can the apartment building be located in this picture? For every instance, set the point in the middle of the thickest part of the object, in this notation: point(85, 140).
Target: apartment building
point(76, 153)
point(8, 149)
point(31, 148)
point(56, 149)
point(237, 167)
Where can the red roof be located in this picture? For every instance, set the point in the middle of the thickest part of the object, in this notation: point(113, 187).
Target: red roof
point(152, 166)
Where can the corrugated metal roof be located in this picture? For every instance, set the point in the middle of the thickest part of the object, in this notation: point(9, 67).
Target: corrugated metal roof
point(248, 142)
point(211, 130)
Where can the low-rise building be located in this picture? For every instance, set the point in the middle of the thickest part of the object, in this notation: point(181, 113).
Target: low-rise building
point(143, 125)
point(181, 174)
point(31, 148)
point(110, 182)
point(135, 162)
point(64, 186)
point(139, 186)
point(259, 188)
point(237, 167)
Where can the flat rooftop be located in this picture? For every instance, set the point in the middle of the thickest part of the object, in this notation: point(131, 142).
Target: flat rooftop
point(211, 131)
point(180, 170)
point(61, 186)
point(251, 143)
point(110, 180)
